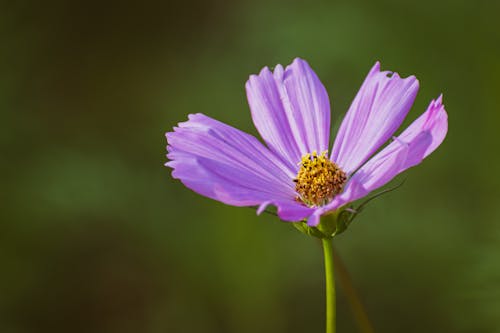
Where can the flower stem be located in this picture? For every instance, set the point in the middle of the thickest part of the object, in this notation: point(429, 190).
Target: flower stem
point(330, 285)
point(352, 296)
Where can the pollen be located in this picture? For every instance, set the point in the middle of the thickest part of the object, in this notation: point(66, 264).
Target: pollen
point(318, 180)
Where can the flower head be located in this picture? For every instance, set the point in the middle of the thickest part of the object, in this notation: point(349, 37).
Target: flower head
point(318, 180)
point(293, 171)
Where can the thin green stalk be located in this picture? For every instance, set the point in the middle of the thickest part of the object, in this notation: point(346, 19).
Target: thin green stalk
point(330, 285)
point(352, 296)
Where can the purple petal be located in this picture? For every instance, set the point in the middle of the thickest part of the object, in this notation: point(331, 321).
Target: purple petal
point(288, 211)
point(315, 217)
point(228, 165)
point(376, 113)
point(420, 139)
point(291, 110)
point(309, 106)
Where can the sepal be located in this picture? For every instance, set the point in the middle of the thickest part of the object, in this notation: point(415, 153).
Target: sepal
point(330, 225)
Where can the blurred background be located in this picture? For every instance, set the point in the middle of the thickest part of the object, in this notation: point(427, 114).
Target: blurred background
point(95, 235)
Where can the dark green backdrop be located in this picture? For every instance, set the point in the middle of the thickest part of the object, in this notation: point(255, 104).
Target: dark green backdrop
point(95, 236)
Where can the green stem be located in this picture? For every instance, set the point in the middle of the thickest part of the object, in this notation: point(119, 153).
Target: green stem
point(330, 285)
point(352, 296)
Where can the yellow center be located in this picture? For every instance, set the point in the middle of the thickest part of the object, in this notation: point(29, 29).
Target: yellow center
point(318, 179)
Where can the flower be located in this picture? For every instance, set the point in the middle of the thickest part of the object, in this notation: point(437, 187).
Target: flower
point(293, 171)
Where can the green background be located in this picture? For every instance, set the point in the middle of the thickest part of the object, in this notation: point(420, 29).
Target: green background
point(95, 235)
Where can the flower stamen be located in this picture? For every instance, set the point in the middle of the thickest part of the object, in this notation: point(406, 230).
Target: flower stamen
point(318, 179)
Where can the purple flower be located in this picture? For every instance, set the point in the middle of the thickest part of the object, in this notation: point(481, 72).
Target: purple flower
point(291, 110)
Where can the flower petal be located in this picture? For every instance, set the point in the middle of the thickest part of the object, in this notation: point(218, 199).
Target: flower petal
point(291, 110)
point(309, 105)
point(228, 165)
point(376, 113)
point(288, 211)
point(420, 139)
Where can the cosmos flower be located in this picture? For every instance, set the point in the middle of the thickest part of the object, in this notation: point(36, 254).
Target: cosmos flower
point(294, 170)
